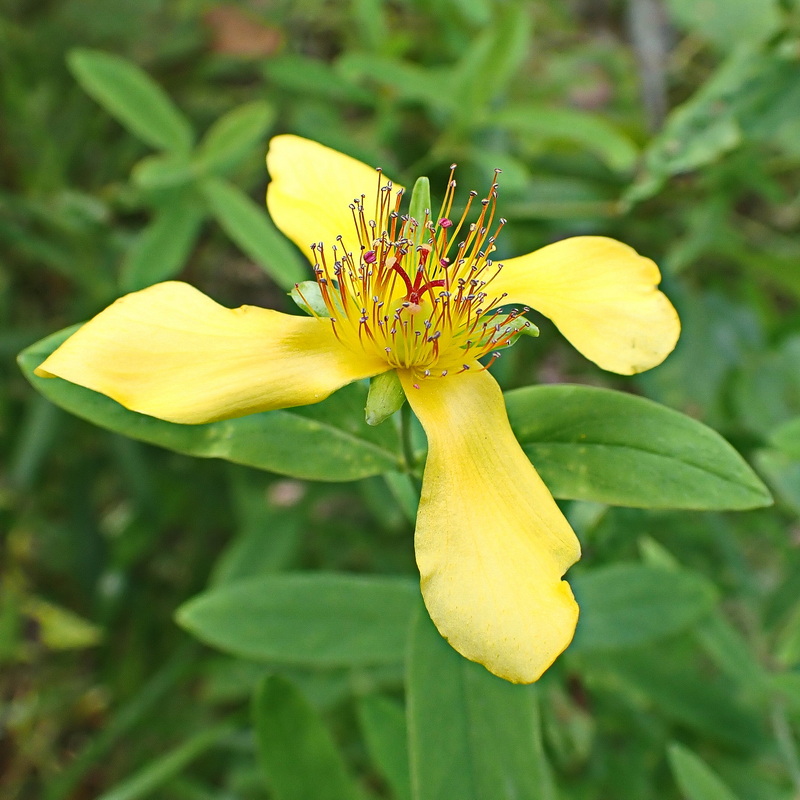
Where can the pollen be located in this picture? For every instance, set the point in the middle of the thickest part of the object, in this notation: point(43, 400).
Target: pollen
point(417, 293)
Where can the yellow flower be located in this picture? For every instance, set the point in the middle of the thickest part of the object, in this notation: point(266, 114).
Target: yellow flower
point(420, 297)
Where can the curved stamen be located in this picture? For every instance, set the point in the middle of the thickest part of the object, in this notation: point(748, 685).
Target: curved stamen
point(405, 295)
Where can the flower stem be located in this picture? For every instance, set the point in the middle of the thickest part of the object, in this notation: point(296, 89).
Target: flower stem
point(405, 436)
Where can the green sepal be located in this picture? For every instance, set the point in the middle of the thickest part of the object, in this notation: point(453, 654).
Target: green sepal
point(384, 398)
point(308, 297)
point(515, 327)
point(420, 208)
point(525, 328)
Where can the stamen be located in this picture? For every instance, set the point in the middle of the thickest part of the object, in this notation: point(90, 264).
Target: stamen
point(406, 296)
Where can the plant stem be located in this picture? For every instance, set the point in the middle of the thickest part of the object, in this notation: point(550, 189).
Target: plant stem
point(405, 436)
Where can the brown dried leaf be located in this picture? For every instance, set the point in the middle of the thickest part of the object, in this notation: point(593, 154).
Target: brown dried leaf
point(237, 33)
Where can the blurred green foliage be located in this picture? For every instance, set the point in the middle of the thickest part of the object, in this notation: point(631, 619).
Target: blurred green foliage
point(671, 125)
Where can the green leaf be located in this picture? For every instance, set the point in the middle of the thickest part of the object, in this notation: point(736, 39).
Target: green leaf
point(744, 98)
point(782, 472)
point(561, 197)
point(472, 736)
point(162, 171)
point(478, 13)
point(731, 652)
point(766, 391)
point(716, 336)
point(163, 247)
point(406, 81)
point(786, 650)
point(728, 24)
point(489, 63)
point(132, 97)
point(383, 722)
point(310, 619)
point(629, 605)
point(385, 397)
point(327, 441)
point(234, 135)
point(611, 447)
point(250, 228)
point(668, 682)
point(544, 125)
point(307, 296)
point(298, 755)
point(695, 779)
point(786, 438)
point(315, 78)
point(372, 25)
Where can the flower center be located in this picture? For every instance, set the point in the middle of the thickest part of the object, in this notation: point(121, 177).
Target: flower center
point(417, 293)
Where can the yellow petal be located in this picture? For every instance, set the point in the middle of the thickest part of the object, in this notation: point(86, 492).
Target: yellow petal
point(173, 353)
point(312, 189)
point(491, 543)
point(602, 296)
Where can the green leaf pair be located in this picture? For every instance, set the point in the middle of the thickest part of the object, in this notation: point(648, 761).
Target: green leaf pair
point(181, 183)
point(470, 735)
point(326, 620)
point(466, 735)
point(588, 443)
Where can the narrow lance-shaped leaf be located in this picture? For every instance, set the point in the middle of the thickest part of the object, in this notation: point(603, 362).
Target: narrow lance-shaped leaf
point(670, 680)
point(489, 64)
point(233, 135)
point(611, 447)
point(783, 474)
point(163, 247)
point(709, 124)
point(472, 735)
point(132, 97)
point(406, 80)
point(383, 722)
point(543, 125)
point(251, 229)
point(696, 780)
point(787, 438)
point(313, 77)
point(298, 755)
point(312, 619)
point(628, 605)
point(162, 171)
point(727, 24)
